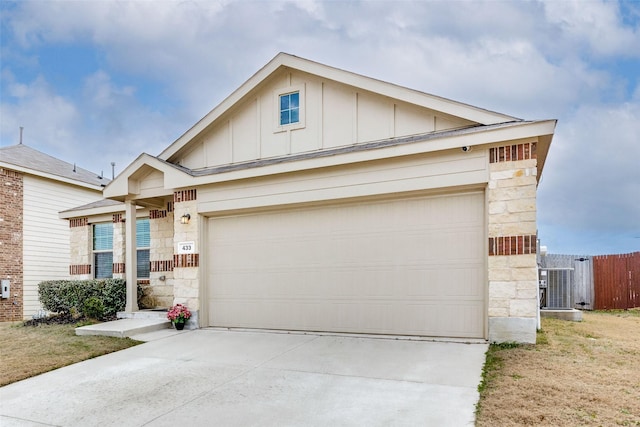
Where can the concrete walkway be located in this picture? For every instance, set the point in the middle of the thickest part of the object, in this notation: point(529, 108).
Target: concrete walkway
point(210, 377)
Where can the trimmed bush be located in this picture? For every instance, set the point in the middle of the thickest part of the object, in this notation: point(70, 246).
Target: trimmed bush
point(80, 296)
point(93, 308)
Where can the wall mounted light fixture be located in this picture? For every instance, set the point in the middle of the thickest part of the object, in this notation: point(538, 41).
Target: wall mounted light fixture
point(185, 219)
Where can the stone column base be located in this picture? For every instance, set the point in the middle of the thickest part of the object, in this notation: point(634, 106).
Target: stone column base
point(513, 329)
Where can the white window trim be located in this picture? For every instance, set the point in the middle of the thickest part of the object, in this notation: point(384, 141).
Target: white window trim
point(276, 108)
point(145, 248)
point(100, 251)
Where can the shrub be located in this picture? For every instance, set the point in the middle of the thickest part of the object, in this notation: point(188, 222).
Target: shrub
point(78, 296)
point(93, 308)
point(114, 296)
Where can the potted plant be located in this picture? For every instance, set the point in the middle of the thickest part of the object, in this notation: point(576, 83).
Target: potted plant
point(179, 314)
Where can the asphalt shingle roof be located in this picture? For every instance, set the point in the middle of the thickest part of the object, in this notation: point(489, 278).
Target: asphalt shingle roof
point(26, 157)
point(97, 204)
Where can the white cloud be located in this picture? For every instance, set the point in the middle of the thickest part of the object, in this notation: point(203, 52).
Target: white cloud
point(598, 24)
point(45, 115)
point(106, 124)
point(101, 92)
point(201, 51)
point(591, 181)
point(313, 7)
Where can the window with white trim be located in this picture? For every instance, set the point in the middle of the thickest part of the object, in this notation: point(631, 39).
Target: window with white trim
point(143, 243)
point(103, 250)
point(289, 108)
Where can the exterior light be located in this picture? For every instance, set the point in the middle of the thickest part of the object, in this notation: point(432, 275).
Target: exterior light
point(185, 219)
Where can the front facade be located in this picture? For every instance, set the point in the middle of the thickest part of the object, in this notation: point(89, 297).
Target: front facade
point(34, 187)
point(320, 200)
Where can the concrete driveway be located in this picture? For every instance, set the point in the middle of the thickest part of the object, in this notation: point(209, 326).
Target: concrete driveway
point(210, 377)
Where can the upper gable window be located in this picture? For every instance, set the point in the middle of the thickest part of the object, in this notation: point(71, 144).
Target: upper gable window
point(289, 108)
point(289, 105)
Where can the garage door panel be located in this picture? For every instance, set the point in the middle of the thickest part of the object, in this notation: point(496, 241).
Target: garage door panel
point(410, 266)
point(460, 283)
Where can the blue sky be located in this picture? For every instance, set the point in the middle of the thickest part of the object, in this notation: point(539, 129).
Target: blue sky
point(93, 82)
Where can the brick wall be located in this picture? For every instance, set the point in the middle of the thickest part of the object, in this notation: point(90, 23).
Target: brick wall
point(513, 280)
point(11, 203)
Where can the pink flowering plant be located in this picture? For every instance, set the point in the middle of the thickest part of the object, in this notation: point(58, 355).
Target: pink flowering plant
point(178, 313)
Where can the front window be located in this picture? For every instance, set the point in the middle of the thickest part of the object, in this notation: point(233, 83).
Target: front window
point(143, 242)
point(103, 250)
point(289, 108)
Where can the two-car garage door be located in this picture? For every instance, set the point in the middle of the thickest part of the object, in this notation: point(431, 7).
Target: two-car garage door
point(410, 266)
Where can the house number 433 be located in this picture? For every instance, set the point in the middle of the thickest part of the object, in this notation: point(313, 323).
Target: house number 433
point(186, 247)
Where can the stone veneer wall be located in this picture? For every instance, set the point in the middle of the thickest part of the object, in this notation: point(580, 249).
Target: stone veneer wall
point(81, 249)
point(11, 265)
point(513, 277)
point(159, 293)
point(186, 289)
point(119, 248)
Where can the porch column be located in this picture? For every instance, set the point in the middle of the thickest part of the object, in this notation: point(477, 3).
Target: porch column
point(131, 259)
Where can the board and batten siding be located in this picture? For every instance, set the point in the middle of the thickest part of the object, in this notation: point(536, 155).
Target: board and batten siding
point(46, 251)
point(335, 115)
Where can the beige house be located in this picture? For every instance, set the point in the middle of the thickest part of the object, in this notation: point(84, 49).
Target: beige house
point(316, 199)
point(34, 241)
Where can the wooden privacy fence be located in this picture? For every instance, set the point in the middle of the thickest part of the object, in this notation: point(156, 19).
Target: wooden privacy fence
point(616, 281)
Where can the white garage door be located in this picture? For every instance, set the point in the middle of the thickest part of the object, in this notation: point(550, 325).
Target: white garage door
point(411, 266)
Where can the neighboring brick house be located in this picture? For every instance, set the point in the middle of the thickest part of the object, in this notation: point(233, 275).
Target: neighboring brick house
point(34, 241)
point(316, 199)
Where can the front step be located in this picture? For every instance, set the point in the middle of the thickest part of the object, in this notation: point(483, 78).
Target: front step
point(124, 327)
point(160, 313)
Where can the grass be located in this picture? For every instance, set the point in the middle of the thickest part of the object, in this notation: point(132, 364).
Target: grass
point(578, 373)
point(31, 350)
